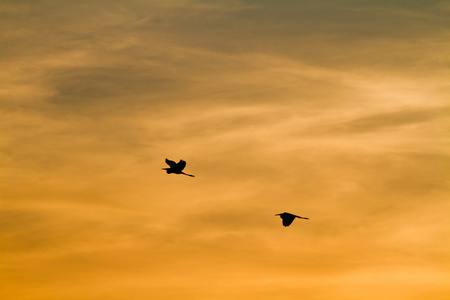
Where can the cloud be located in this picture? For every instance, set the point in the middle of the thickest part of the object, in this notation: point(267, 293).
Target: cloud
point(392, 120)
point(332, 111)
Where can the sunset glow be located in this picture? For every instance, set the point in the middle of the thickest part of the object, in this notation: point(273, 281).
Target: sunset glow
point(333, 110)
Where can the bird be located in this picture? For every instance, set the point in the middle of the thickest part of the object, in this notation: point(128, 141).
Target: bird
point(288, 218)
point(176, 168)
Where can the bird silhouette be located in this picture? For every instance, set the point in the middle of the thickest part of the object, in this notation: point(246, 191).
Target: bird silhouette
point(176, 168)
point(288, 218)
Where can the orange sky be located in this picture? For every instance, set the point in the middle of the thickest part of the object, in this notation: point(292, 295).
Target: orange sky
point(333, 110)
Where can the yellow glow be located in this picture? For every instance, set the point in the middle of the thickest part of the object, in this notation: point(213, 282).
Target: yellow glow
point(336, 111)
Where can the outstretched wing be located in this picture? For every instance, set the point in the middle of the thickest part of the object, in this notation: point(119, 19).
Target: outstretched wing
point(180, 165)
point(171, 163)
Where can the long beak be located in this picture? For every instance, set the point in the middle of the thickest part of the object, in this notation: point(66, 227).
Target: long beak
point(278, 215)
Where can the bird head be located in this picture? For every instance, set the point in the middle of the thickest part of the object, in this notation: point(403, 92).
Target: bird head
point(282, 214)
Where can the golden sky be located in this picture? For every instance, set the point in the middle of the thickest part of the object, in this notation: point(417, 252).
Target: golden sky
point(333, 110)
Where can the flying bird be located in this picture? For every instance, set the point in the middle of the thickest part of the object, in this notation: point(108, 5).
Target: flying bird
point(288, 218)
point(176, 168)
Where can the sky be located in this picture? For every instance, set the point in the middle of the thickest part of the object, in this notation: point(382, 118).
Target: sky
point(333, 110)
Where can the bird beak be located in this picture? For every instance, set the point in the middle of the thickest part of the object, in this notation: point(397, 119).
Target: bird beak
point(277, 214)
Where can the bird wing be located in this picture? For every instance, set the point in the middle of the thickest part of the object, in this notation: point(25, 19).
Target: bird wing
point(180, 165)
point(171, 163)
point(288, 220)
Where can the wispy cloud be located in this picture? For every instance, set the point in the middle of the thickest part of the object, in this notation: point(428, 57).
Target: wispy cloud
point(335, 111)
